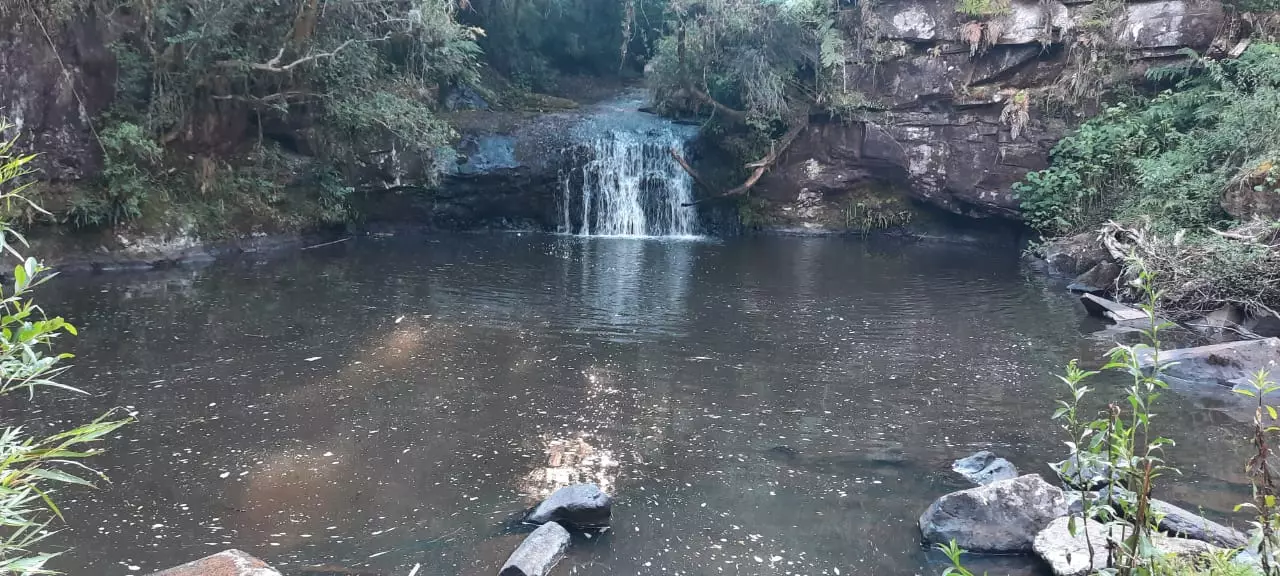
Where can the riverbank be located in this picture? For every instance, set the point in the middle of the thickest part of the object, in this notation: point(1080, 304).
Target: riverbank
point(1222, 286)
point(106, 253)
point(120, 253)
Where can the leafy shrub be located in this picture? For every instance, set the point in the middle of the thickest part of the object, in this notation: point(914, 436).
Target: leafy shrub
point(129, 158)
point(1169, 158)
point(31, 468)
point(335, 197)
point(982, 8)
point(1089, 169)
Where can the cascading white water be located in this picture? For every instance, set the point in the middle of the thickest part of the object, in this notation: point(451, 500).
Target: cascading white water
point(629, 184)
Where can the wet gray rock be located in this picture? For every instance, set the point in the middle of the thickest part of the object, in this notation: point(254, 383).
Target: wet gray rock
point(577, 506)
point(464, 98)
point(984, 467)
point(1086, 475)
point(539, 553)
point(1000, 517)
point(1264, 325)
point(1183, 548)
point(1068, 555)
point(1075, 255)
point(1186, 524)
point(1248, 559)
point(1098, 279)
point(1111, 310)
point(1227, 364)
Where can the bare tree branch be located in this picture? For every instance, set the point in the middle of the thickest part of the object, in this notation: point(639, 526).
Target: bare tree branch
point(762, 165)
point(273, 65)
point(732, 113)
point(689, 170)
point(276, 68)
point(284, 96)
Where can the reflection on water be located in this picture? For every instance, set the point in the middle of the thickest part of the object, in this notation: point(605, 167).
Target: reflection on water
point(629, 286)
point(758, 406)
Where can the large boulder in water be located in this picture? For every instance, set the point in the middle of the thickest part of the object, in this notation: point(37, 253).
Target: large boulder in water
point(577, 506)
point(1227, 364)
point(539, 553)
point(1097, 280)
point(1003, 516)
point(984, 467)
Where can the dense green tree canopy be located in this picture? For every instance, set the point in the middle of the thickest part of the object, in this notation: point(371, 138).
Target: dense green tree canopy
point(193, 68)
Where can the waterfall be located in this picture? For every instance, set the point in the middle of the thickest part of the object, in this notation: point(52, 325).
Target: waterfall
point(628, 184)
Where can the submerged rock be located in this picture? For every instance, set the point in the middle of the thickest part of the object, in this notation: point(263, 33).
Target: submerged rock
point(539, 553)
point(984, 467)
point(225, 563)
point(577, 506)
point(1003, 516)
point(1179, 522)
point(1226, 364)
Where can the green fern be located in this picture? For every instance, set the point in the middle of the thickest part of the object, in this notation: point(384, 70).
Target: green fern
point(983, 8)
point(831, 43)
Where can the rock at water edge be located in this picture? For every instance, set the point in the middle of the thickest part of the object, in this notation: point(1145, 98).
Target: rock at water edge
point(1002, 516)
point(1075, 255)
point(1179, 522)
point(1115, 311)
point(539, 553)
point(1099, 279)
point(577, 506)
point(1087, 474)
point(1183, 548)
point(225, 563)
point(1069, 555)
point(984, 467)
point(1226, 364)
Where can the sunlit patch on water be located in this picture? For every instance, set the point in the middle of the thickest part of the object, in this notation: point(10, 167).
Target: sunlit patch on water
point(570, 461)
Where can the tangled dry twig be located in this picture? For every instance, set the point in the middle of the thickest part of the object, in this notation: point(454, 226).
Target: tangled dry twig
point(1238, 267)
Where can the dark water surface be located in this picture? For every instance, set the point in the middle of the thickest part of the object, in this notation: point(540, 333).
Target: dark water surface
point(758, 406)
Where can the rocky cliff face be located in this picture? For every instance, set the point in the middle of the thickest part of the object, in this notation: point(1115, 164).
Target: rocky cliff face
point(55, 78)
point(940, 134)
